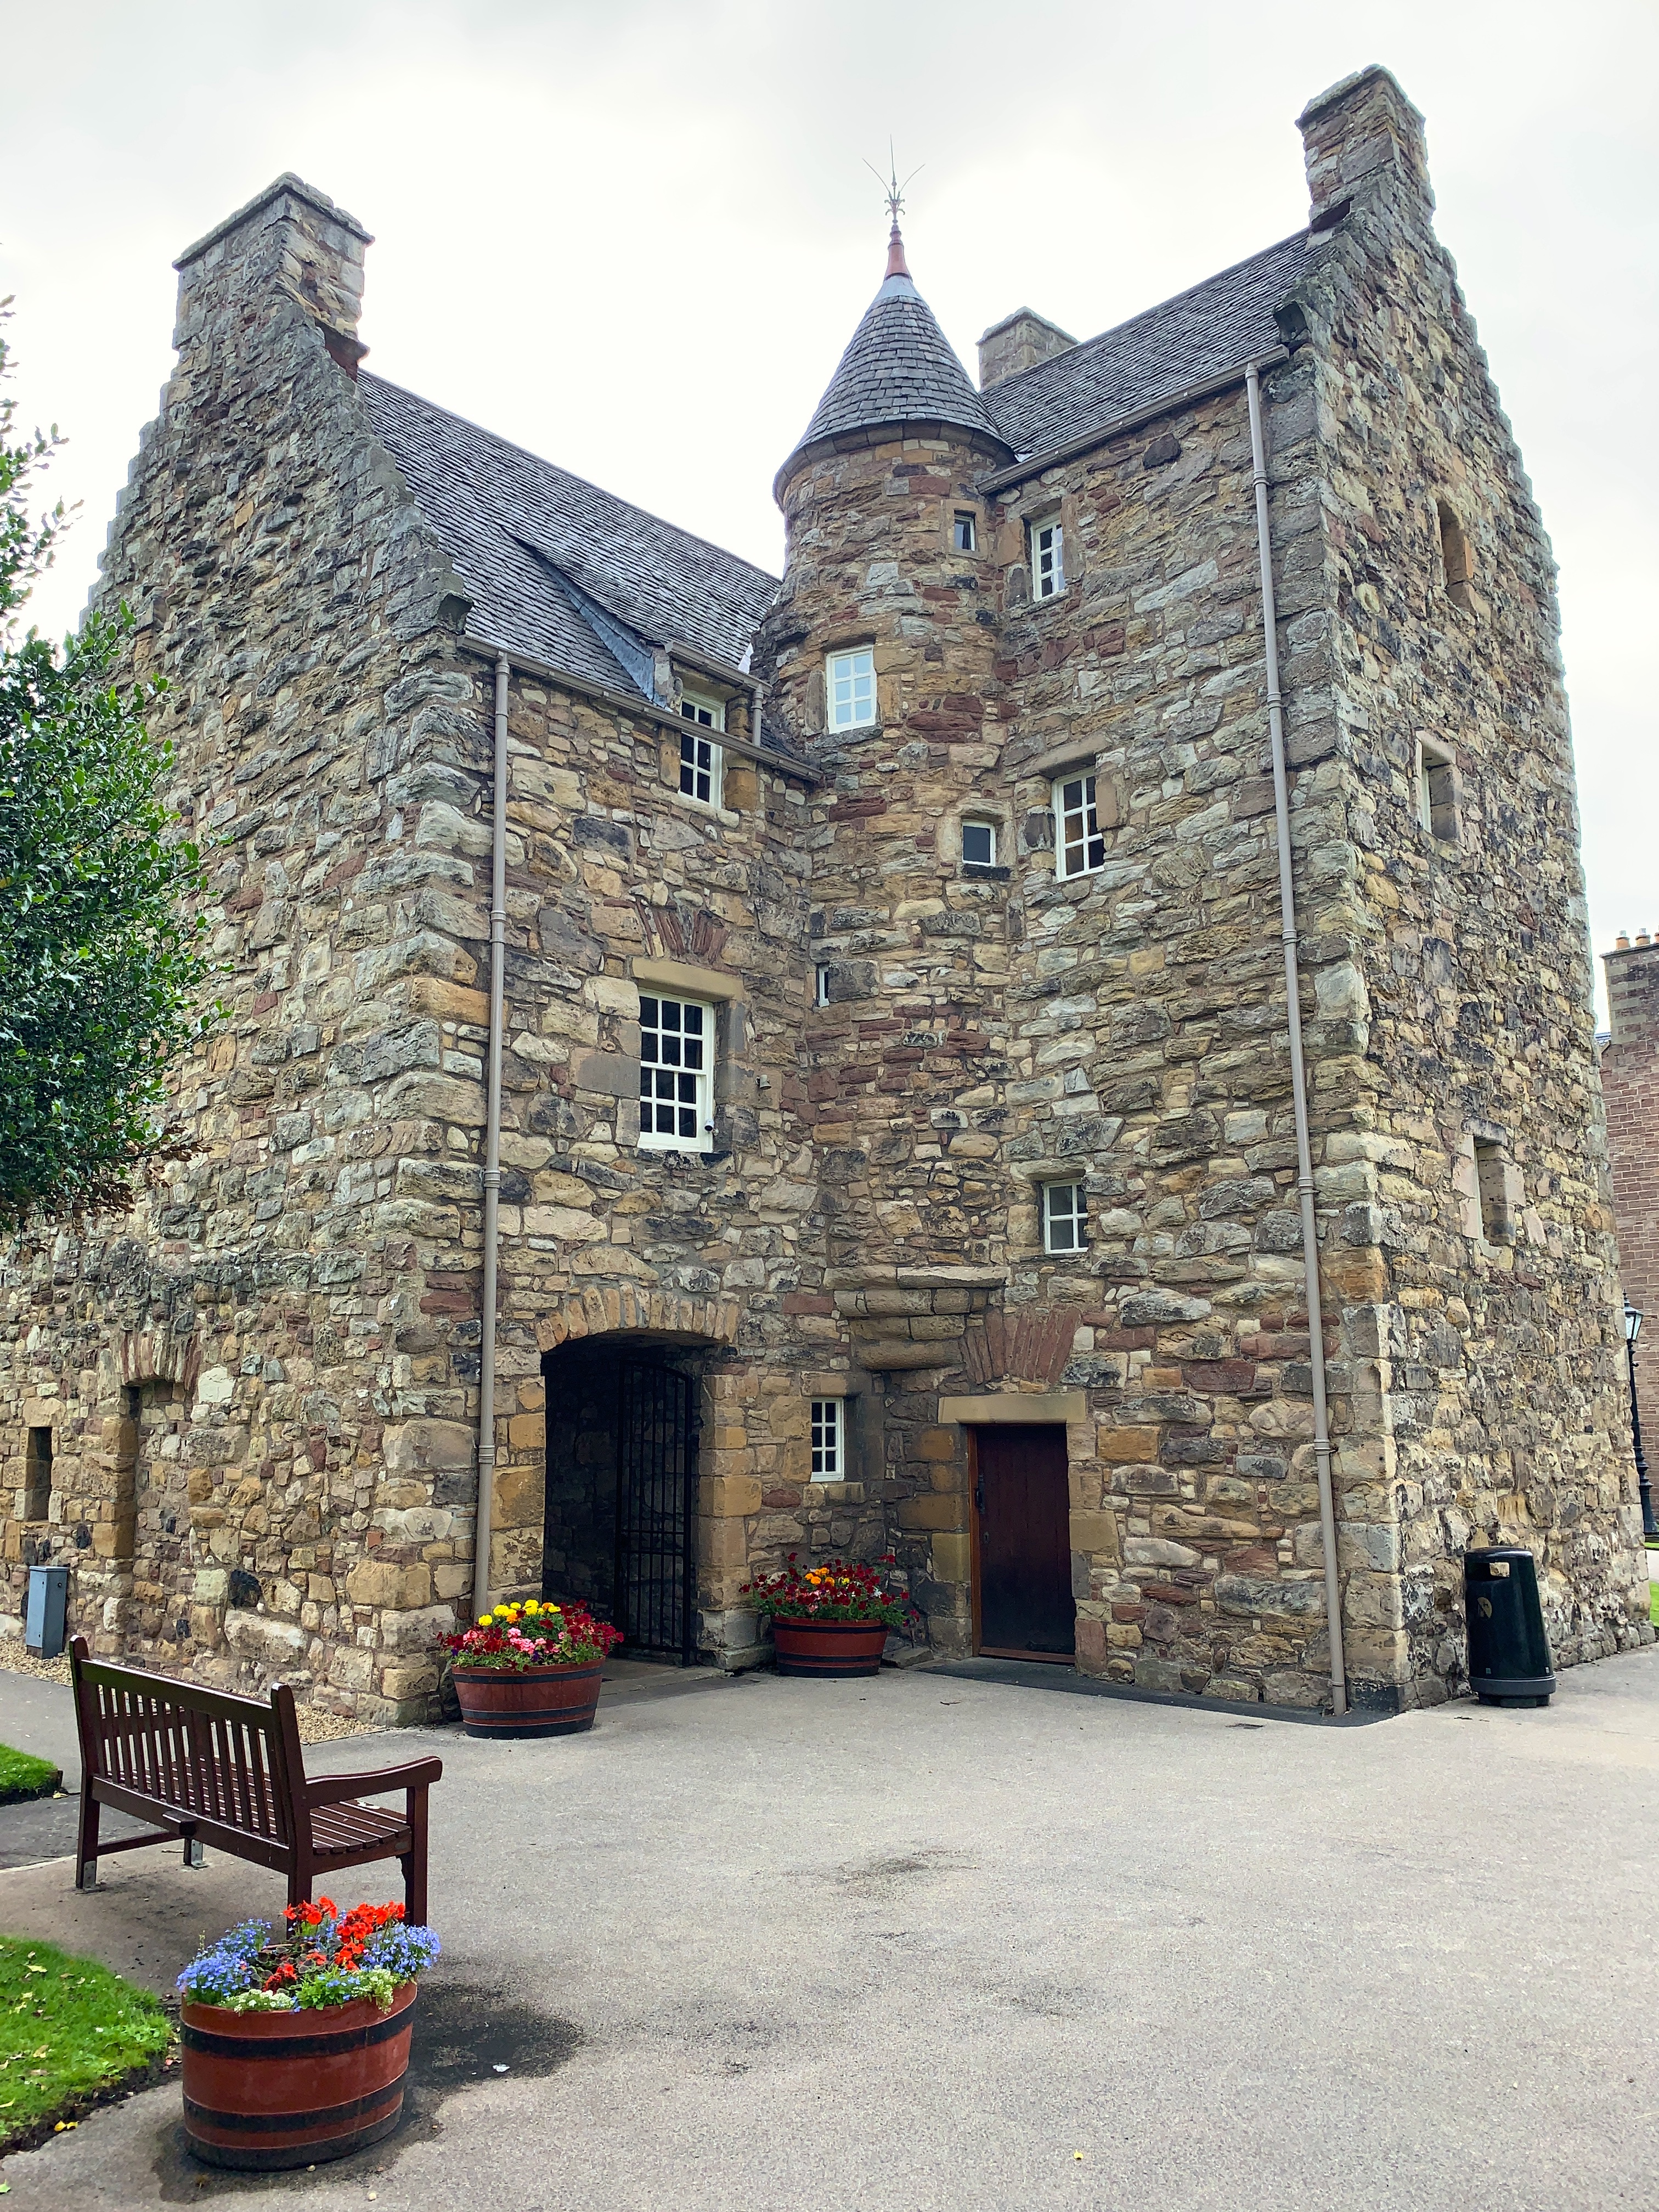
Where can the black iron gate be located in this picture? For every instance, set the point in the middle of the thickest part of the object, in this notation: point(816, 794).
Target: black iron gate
point(656, 1499)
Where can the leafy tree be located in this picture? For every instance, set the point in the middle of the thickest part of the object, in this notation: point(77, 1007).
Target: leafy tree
point(101, 966)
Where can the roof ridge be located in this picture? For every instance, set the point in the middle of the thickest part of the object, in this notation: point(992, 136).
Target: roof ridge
point(1141, 315)
point(512, 445)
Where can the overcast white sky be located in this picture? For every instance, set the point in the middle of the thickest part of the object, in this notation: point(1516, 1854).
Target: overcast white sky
point(635, 237)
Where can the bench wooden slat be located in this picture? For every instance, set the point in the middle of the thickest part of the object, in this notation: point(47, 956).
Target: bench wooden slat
point(219, 1769)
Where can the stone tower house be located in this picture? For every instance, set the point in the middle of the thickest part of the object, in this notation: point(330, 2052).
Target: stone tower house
point(808, 1065)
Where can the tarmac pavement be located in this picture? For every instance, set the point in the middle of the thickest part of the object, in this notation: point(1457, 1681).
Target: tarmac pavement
point(919, 1942)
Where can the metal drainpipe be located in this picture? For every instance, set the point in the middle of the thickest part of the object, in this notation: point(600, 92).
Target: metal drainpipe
point(492, 1173)
point(1304, 1181)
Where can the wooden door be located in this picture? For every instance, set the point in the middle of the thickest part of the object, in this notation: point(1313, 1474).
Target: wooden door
point(1023, 1603)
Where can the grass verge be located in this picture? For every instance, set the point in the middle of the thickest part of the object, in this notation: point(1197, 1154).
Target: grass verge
point(23, 1776)
point(72, 2035)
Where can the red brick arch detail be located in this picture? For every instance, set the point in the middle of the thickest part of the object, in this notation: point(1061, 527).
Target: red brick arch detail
point(633, 1312)
point(1033, 1348)
point(150, 1356)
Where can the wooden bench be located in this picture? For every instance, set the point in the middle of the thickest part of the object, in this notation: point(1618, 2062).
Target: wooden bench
point(227, 1770)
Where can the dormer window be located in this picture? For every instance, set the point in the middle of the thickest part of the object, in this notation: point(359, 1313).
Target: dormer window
point(700, 757)
point(1048, 560)
point(851, 686)
point(964, 538)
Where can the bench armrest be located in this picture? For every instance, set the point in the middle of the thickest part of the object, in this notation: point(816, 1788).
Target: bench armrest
point(334, 1789)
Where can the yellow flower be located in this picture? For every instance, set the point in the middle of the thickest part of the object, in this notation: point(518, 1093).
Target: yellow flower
point(531, 1606)
point(483, 1620)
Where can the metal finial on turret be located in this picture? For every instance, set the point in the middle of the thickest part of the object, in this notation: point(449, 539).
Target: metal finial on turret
point(893, 192)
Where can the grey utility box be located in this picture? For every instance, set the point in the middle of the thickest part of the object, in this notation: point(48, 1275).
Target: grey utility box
point(43, 1623)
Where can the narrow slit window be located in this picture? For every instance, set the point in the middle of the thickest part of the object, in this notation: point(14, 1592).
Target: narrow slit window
point(1491, 1186)
point(675, 1042)
point(1454, 557)
point(1436, 791)
point(821, 986)
point(827, 1458)
point(1080, 841)
point(965, 537)
point(851, 689)
point(37, 1475)
point(700, 757)
point(1047, 561)
point(979, 844)
point(1065, 1218)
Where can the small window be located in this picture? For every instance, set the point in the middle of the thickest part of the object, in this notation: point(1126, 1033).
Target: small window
point(1455, 558)
point(964, 537)
point(1047, 561)
point(821, 986)
point(1436, 791)
point(1491, 1185)
point(853, 689)
point(675, 1041)
point(979, 844)
point(1065, 1218)
point(700, 757)
point(828, 1464)
point(37, 1475)
point(1079, 842)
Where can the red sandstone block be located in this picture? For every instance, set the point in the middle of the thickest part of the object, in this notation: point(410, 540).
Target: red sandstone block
point(807, 1302)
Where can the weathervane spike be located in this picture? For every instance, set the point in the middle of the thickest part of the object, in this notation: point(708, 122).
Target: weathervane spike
point(892, 191)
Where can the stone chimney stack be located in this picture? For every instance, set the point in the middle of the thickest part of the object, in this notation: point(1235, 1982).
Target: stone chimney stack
point(290, 238)
point(1362, 138)
point(1019, 341)
point(1633, 993)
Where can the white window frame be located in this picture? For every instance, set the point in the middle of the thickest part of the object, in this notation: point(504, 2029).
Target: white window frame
point(701, 758)
point(1048, 559)
point(1065, 1215)
point(685, 1075)
point(849, 687)
point(829, 1440)
point(958, 518)
point(821, 985)
point(979, 822)
point(1079, 840)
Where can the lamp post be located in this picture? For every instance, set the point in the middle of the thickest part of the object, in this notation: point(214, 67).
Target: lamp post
point(1632, 1330)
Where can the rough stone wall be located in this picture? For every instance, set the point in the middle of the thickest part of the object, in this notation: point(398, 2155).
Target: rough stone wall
point(243, 1368)
point(1630, 1085)
point(1477, 1267)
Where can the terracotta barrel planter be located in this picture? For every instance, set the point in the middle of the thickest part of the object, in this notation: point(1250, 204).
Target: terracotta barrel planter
point(265, 2090)
point(836, 1648)
point(539, 1701)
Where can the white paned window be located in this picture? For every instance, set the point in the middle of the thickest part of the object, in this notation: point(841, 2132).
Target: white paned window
point(700, 757)
point(827, 1461)
point(1047, 561)
point(979, 844)
point(851, 689)
point(1079, 842)
point(1065, 1218)
point(966, 538)
point(677, 1043)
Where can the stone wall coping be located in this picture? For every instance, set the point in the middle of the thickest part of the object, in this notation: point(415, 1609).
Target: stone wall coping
point(1034, 463)
point(941, 1278)
point(681, 976)
point(1010, 1406)
point(285, 186)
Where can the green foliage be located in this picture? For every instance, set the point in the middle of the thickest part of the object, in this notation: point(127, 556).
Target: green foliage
point(68, 2029)
point(23, 1776)
point(101, 968)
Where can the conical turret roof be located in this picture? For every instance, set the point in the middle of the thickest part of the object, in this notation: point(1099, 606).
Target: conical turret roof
point(899, 368)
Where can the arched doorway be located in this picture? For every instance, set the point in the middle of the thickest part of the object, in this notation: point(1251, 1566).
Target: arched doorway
point(623, 1421)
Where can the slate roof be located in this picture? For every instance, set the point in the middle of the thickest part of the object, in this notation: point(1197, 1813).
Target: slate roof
point(558, 570)
point(900, 368)
point(1200, 333)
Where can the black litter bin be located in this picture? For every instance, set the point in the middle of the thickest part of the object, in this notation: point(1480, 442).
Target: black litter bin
point(1509, 1652)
